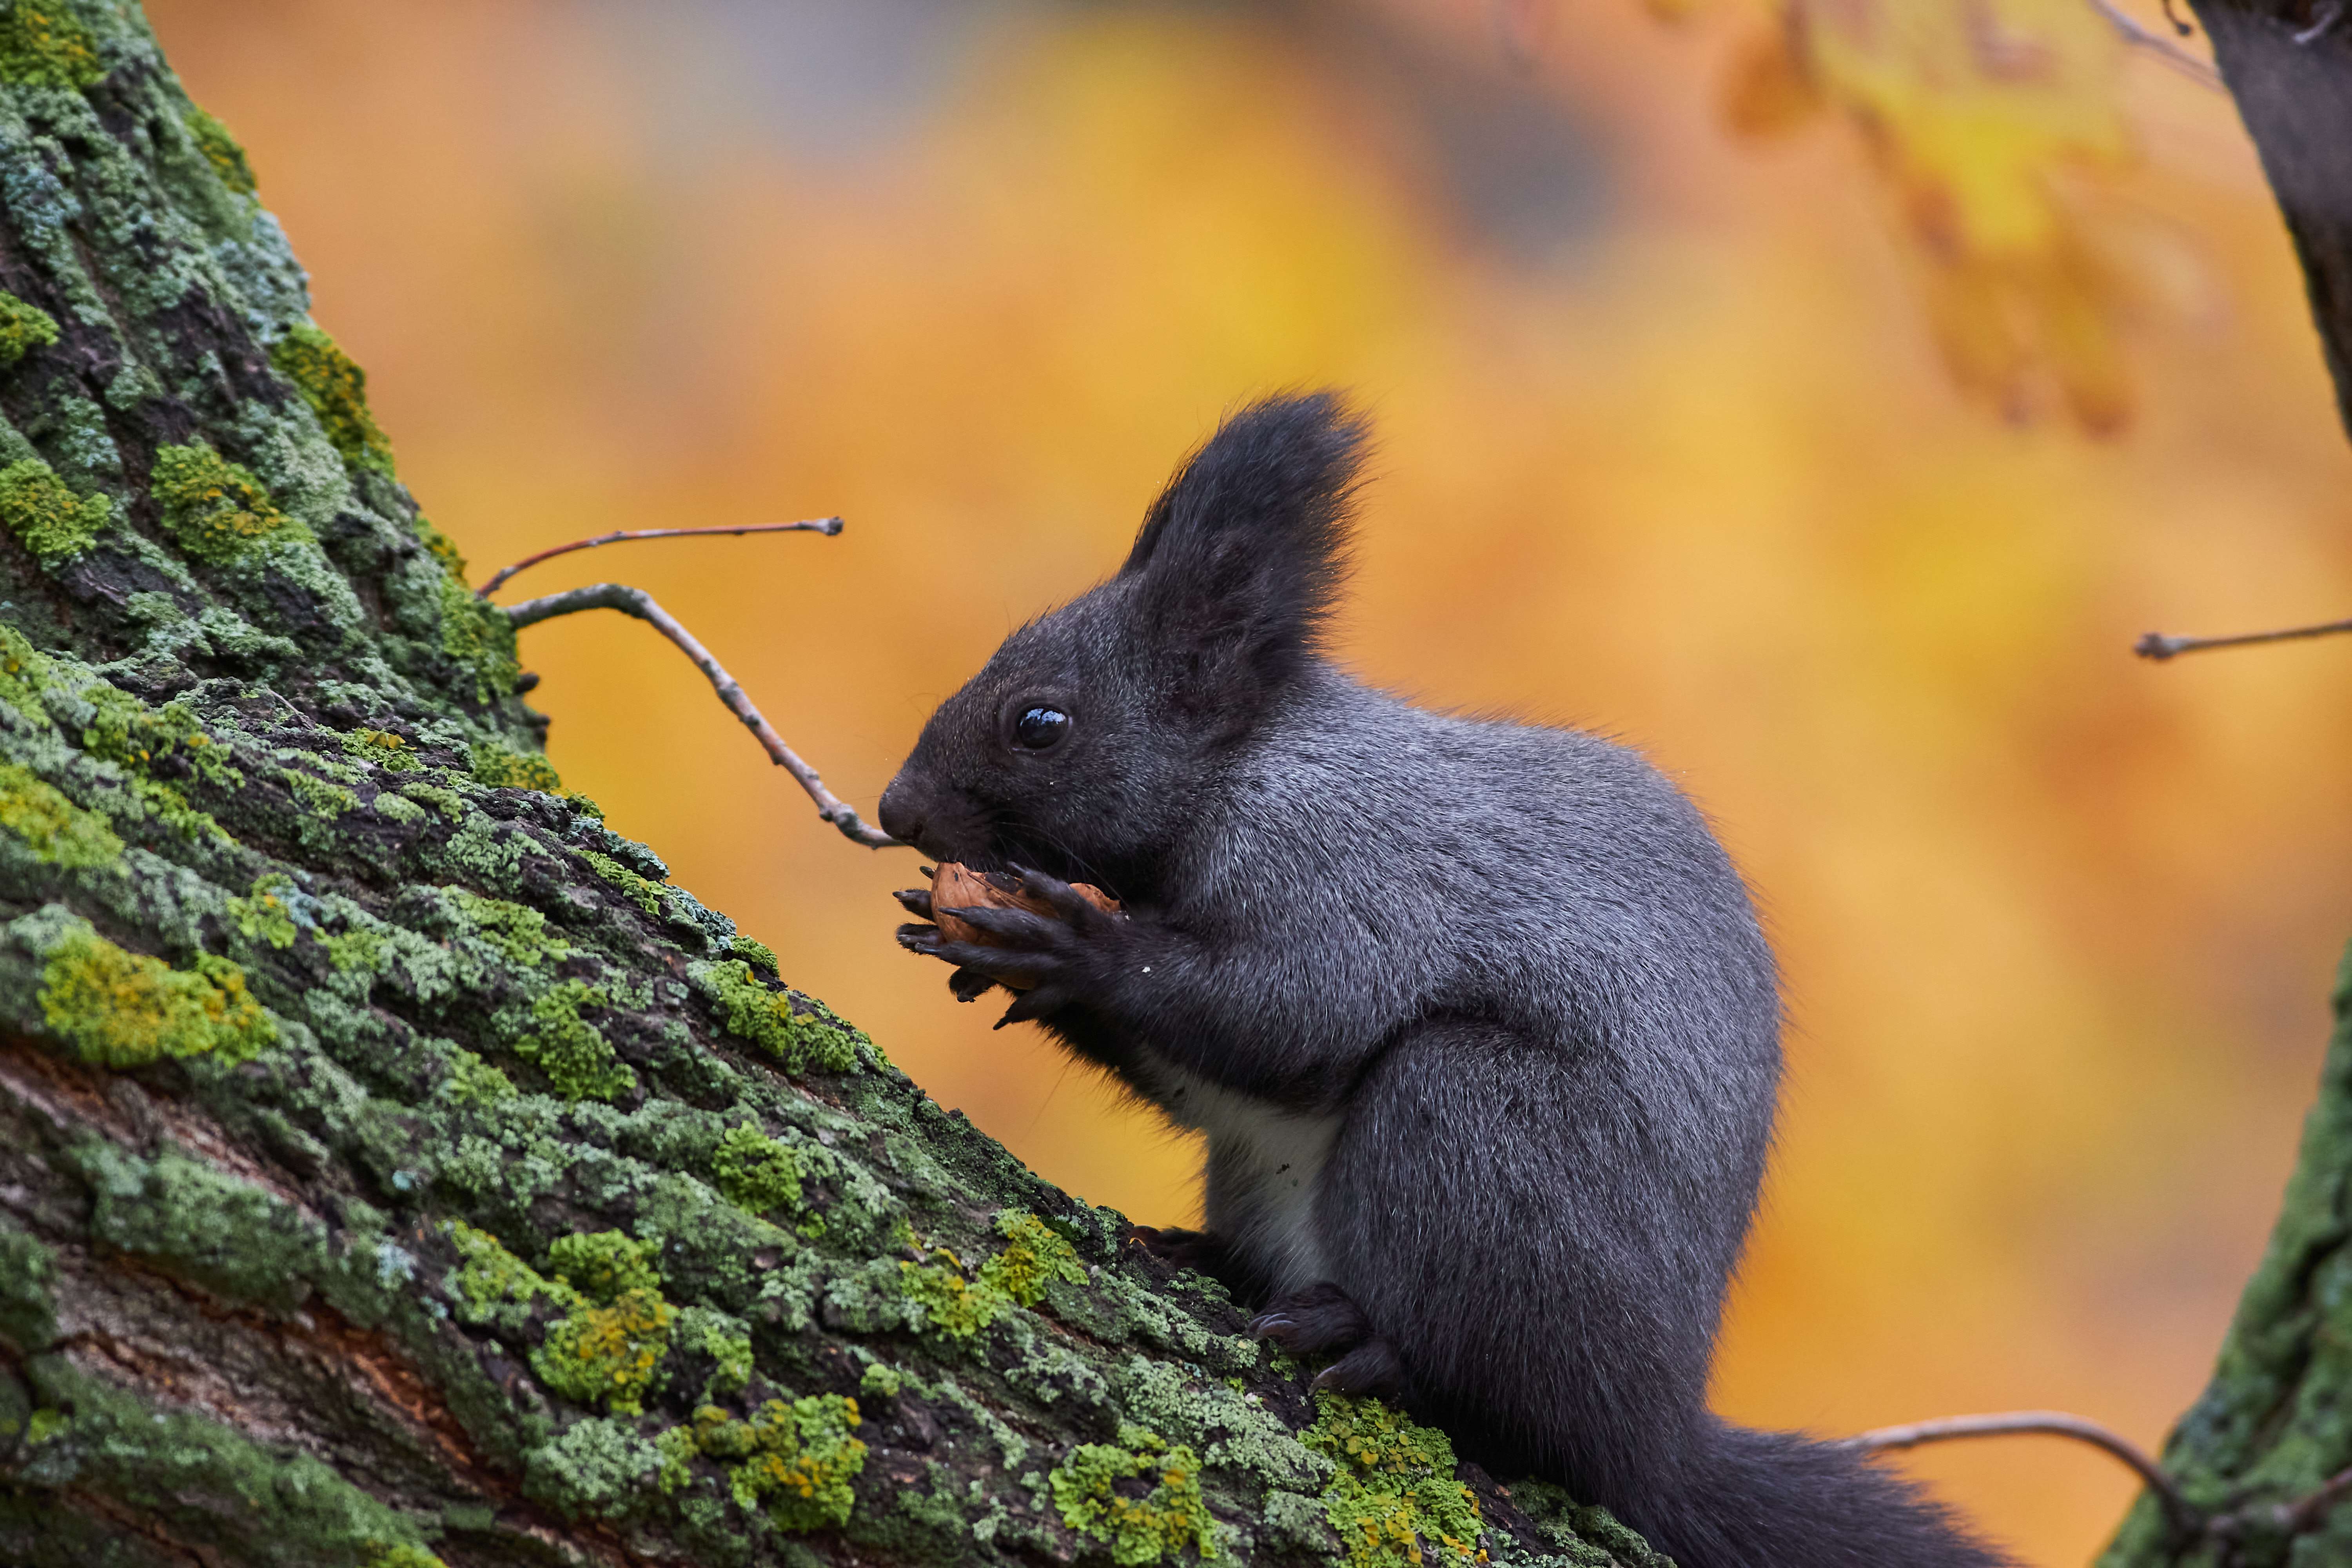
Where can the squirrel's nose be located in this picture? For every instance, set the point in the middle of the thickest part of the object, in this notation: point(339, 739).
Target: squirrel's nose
point(901, 818)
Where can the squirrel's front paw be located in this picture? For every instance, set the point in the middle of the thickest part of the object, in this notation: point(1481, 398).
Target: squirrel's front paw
point(1048, 960)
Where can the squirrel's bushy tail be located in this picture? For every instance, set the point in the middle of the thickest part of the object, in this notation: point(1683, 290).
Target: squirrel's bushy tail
point(1775, 1500)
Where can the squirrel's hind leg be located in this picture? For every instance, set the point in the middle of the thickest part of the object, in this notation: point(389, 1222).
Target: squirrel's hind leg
point(1504, 1215)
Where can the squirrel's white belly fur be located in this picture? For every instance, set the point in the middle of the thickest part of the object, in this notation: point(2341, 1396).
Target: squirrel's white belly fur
point(1264, 1172)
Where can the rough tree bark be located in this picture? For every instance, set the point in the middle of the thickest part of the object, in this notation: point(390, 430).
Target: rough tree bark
point(2257, 1451)
point(393, 1165)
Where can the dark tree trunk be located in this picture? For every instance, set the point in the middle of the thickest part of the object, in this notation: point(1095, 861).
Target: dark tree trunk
point(2288, 63)
point(393, 1164)
point(2272, 1427)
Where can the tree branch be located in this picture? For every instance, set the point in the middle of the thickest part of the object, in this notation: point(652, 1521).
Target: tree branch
point(2185, 1515)
point(2141, 36)
point(637, 601)
point(828, 526)
point(2159, 646)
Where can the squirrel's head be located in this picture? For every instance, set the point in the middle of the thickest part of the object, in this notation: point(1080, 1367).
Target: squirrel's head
point(1080, 746)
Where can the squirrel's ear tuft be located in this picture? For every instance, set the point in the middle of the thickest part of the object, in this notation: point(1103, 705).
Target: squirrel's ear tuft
point(1238, 561)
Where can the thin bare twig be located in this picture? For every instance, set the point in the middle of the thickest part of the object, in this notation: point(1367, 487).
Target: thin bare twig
point(638, 603)
point(2156, 646)
point(2323, 23)
point(2296, 1518)
point(2144, 38)
point(2184, 1515)
point(828, 526)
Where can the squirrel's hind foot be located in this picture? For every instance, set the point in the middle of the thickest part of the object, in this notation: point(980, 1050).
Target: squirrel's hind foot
point(1322, 1320)
point(1318, 1320)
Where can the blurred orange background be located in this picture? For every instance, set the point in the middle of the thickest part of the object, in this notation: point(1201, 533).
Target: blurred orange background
point(1667, 449)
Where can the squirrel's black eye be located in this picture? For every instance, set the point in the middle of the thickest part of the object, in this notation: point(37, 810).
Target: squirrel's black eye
point(1038, 728)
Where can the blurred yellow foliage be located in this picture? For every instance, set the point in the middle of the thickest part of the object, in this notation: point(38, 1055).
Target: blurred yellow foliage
point(1980, 116)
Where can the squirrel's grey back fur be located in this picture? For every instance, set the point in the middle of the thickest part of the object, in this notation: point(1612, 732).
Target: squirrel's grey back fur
point(1475, 1014)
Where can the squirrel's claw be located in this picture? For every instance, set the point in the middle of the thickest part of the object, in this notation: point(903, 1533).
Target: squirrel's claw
point(1016, 926)
point(970, 985)
point(1035, 1002)
point(1372, 1371)
point(1070, 906)
point(916, 901)
point(1313, 1321)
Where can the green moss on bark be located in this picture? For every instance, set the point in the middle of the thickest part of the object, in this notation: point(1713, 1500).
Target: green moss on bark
point(768, 1019)
point(755, 1171)
point(2271, 1425)
point(1034, 1257)
point(572, 1052)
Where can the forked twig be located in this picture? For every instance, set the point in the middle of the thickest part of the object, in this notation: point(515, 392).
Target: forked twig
point(2156, 43)
point(637, 601)
point(2184, 1515)
point(828, 526)
point(2156, 646)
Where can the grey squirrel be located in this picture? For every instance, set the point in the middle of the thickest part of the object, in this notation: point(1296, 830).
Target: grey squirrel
point(1477, 1016)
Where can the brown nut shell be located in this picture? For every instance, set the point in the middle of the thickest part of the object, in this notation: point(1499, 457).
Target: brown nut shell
point(958, 887)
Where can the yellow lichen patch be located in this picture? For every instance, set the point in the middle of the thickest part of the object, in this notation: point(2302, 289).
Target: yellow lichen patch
point(335, 387)
point(24, 327)
point(1034, 1256)
point(605, 1265)
point(443, 549)
point(213, 509)
point(1395, 1500)
point(120, 1009)
point(264, 915)
point(502, 768)
point(46, 518)
point(42, 47)
point(608, 1354)
point(798, 1457)
point(53, 827)
point(404, 1556)
point(950, 1304)
point(220, 150)
point(386, 749)
point(1158, 1524)
point(24, 674)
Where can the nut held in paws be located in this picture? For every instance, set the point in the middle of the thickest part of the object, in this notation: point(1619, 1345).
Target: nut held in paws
point(958, 887)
